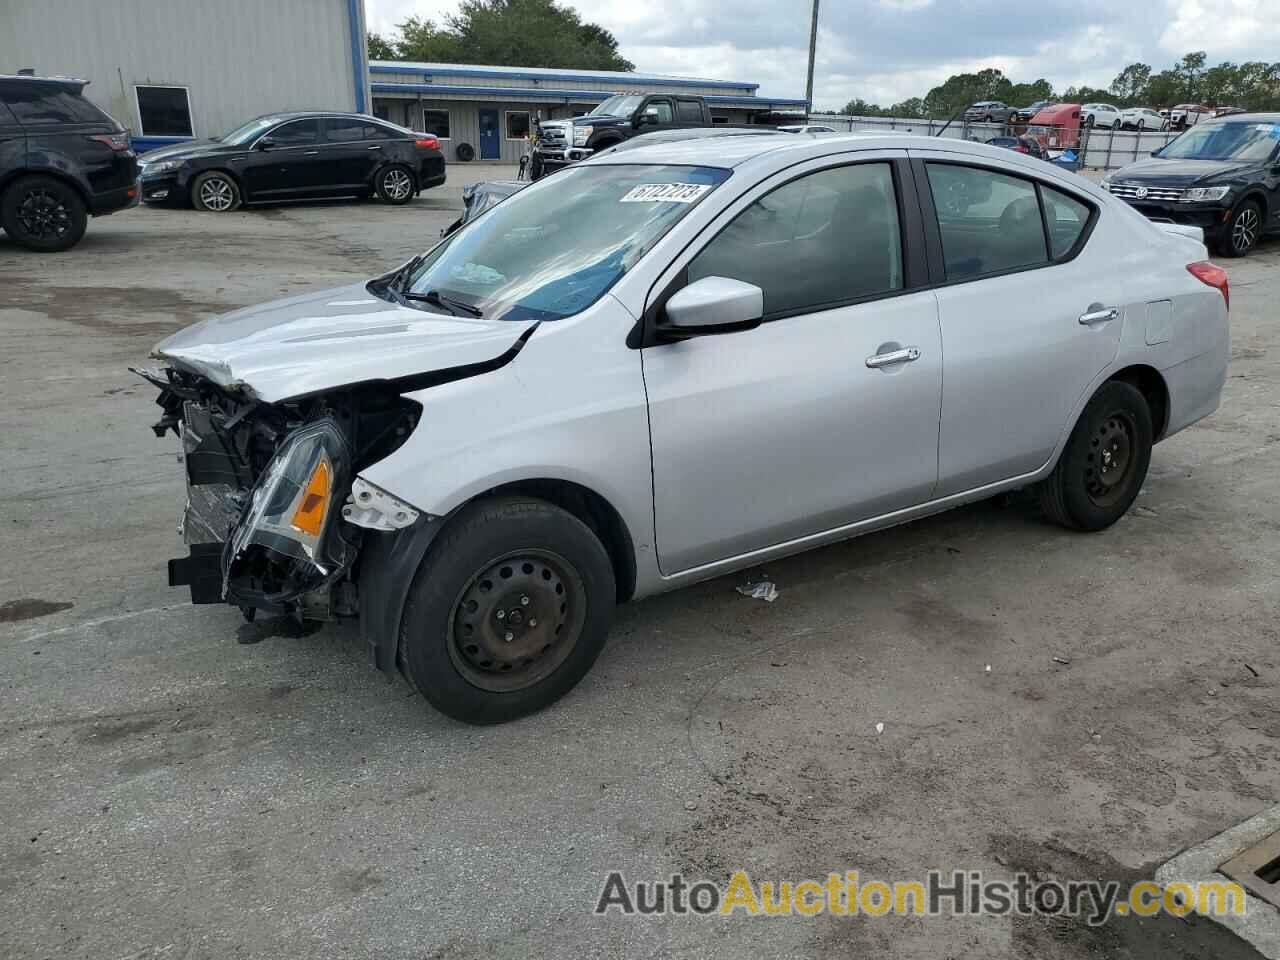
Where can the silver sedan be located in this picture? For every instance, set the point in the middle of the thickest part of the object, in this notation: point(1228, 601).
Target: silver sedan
point(673, 363)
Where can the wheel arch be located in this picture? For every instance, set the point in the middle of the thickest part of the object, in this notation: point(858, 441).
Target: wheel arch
point(1151, 384)
point(1258, 196)
point(388, 162)
point(388, 562)
point(53, 174)
point(592, 509)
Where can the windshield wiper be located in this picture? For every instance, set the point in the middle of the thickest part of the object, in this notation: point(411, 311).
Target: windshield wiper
point(437, 299)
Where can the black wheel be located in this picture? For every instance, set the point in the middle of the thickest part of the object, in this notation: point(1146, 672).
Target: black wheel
point(43, 213)
point(465, 152)
point(1115, 125)
point(1105, 461)
point(1141, 124)
point(215, 192)
point(395, 184)
point(1241, 232)
point(508, 611)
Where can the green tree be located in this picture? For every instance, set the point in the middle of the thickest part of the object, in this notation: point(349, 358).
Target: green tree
point(380, 48)
point(512, 33)
point(911, 108)
point(963, 89)
point(1189, 70)
point(860, 108)
point(422, 40)
point(1131, 83)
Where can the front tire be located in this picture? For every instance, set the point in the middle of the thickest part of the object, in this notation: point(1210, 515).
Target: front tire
point(508, 611)
point(43, 214)
point(395, 185)
point(1242, 231)
point(1116, 125)
point(215, 192)
point(1104, 463)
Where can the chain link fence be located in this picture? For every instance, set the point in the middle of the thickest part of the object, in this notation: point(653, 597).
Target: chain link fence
point(1100, 148)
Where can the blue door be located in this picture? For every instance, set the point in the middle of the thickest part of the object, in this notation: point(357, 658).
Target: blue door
point(490, 145)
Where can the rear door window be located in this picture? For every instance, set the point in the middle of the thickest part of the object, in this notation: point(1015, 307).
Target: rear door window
point(990, 223)
point(343, 130)
point(690, 111)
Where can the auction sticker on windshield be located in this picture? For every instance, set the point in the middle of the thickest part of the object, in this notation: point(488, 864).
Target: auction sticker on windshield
point(665, 192)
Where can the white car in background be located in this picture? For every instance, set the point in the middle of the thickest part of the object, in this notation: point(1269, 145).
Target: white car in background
point(1100, 115)
point(1188, 115)
point(1143, 118)
point(807, 128)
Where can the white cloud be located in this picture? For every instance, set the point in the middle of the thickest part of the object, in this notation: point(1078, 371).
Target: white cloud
point(1225, 28)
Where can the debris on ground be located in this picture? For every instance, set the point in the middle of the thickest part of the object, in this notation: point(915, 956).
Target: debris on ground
point(765, 590)
point(1062, 660)
point(691, 804)
point(879, 728)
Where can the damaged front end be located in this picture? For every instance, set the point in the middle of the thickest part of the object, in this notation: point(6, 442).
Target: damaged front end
point(275, 512)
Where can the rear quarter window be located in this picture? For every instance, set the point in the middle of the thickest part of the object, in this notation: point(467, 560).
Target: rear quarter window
point(38, 104)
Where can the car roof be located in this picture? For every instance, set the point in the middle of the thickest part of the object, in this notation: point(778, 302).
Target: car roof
point(71, 83)
point(1245, 118)
point(729, 152)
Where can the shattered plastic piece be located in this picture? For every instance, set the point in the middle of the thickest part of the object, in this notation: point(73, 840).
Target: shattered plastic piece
point(879, 728)
point(1062, 660)
point(988, 668)
point(765, 590)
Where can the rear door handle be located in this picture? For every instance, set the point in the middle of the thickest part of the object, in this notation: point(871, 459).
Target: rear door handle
point(1099, 316)
point(905, 355)
point(311, 153)
point(375, 147)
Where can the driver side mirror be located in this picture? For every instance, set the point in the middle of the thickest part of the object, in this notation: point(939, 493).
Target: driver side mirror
point(650, 115)
point(266, 143)
point(712, 305)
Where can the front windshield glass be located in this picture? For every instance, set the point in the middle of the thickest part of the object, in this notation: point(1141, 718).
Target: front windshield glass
point(555, 247)
point(249, 131)
point(1225, 141)
point(618, 106)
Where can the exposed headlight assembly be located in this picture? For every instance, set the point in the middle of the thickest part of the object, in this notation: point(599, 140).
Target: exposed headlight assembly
point(291, 511)
point(1204, 193)
point(581, 135)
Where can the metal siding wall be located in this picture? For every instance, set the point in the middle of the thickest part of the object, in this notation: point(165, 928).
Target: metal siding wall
point(239, 58)
point(464, 120)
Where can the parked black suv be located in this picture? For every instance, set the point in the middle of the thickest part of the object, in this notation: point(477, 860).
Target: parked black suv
point(295, 156)
point(61, 159)
point(1222, 175)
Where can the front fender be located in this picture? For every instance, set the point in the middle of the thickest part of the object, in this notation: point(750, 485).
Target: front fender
point(388, 563)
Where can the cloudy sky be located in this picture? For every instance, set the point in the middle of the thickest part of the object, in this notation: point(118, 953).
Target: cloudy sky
point(887, 50)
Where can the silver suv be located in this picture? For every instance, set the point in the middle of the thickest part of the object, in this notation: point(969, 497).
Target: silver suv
point(669, 364)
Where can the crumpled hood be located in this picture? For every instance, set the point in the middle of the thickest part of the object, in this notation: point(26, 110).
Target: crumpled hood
point(318, 341)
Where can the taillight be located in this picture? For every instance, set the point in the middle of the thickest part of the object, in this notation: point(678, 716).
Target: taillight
point(427, 143)
point(1212, 275)
point(116, 141)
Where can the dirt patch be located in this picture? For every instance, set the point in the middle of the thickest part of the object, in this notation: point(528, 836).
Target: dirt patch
point(14, 611)
point(94, 307)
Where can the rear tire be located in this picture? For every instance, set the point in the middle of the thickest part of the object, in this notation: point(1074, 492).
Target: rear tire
point(395, 184)
point(1115, 125)
point(1242, 231)
point(1104, 463)
point(508, 611)
point(43, 214)
point(215, 192)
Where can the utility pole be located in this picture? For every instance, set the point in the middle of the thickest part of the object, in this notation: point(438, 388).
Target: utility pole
point(813, 46)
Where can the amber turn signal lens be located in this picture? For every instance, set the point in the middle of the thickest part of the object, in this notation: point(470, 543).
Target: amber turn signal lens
point(309, 517)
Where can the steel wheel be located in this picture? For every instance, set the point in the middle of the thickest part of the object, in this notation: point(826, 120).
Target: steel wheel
point(517, 620)
point(217, 194)
point(396, 185)
point(1244, 231)
point(43, 215)
point(1110, 460)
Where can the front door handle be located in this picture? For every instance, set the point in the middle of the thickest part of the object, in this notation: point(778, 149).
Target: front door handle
point(905, 355)
point(375, 147)
point(1099, 316)
point(311, 153)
